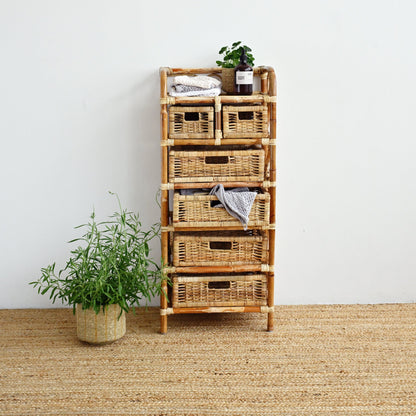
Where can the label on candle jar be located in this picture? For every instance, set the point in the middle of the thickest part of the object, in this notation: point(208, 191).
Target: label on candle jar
point(243, 77)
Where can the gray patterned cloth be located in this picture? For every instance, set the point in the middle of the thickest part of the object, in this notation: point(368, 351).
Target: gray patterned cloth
point(188, 91)
point(237, 201)
point(186, 88)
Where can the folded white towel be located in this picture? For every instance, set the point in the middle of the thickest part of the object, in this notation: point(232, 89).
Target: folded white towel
point(201, 81)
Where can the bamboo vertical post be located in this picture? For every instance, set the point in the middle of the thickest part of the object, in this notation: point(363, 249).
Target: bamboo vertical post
point(218, 121)
point(164, 220)
point(264, 80)
point(272, 232)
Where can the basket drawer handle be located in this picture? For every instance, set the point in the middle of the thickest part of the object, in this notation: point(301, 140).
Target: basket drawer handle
point(217, 160)
point(192, 116)
point(219, 285)
point(246, 115)
point(220, 245)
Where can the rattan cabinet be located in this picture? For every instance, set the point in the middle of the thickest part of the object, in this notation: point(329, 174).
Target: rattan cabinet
point(213, 263)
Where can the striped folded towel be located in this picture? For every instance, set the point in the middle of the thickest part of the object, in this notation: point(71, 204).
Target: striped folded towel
point(192, 86)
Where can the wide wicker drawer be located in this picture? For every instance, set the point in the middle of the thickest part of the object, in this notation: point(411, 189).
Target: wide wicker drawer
point(220, 248)
point(198, 211)
point(218, 166)
point(223, 290)
point(245, 121)
point(191, 122)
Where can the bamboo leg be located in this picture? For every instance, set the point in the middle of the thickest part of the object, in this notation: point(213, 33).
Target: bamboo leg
point(270, 302)
point(163, 307)
point(163, 300)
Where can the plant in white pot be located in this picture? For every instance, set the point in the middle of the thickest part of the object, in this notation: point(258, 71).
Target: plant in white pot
point(108, 274)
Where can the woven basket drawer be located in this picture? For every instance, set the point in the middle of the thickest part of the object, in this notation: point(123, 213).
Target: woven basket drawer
point(220, 248)
point(224, 290)
point(216, 166)
point(197, 211)
point(191, 122)
point(245, 121)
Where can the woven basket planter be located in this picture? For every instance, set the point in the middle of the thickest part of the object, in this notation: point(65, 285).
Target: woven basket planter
point(191, 122)
point(218, 166)
point(245, 121)
point(223, 290)
point(227, 77)
point(220, 248)
point(102, 327)
point(200, 211)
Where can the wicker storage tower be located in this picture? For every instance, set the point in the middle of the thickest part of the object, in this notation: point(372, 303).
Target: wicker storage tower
point(214, 265)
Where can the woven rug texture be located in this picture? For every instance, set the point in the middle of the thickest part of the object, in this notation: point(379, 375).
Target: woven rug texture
point(320, 360)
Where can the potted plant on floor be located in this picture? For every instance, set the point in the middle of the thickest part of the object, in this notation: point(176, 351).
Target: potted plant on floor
point(229, 60)
point(109, 273)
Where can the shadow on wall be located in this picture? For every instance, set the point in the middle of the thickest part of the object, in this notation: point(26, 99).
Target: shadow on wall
point(131, 134)
point(144, 155)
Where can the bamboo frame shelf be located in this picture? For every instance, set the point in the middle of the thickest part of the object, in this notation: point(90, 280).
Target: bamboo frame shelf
point(213, 265)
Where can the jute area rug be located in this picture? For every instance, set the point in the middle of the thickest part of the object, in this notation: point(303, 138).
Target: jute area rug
point(320, 360)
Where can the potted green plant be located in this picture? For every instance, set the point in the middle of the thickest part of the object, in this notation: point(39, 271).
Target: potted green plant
point(107, 274)
point(229, 60)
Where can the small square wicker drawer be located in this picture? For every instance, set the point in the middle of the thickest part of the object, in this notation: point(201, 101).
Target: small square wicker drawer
point(218, 166)
point(201, 211)
point(220, 248)
point(245, 121)
point(223, 290)
point(191, 122)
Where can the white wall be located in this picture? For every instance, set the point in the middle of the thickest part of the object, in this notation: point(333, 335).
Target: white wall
point(79, 116)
